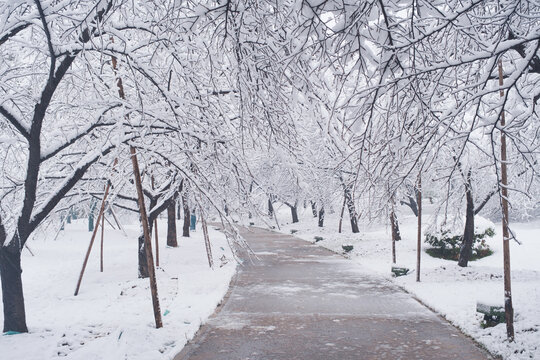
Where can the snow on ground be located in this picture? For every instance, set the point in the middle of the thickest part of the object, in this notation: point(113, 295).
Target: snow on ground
point(445, 287)
point(112, 317)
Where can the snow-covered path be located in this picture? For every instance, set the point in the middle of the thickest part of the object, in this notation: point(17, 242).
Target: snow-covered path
point(299, 301)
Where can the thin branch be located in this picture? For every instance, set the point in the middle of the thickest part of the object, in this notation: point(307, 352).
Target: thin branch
point(15, 122)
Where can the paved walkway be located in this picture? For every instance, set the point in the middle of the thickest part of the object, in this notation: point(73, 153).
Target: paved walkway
point(299, 301)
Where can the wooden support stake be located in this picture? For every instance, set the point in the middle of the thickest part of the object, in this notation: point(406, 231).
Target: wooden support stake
point(109, 222)
point(147, 240)
point(156, 232)
point(30, 251)
point(116, 220)
point(419, 232)
point(101, 210)
point(144, 217)
point(102, 239)
point(207, 241)
point(508, 307)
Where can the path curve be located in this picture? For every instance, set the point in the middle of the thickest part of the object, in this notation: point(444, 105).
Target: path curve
point(300, 301)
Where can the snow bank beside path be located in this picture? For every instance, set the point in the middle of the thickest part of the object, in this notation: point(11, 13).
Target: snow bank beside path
point(445, 287)
point(112, 317)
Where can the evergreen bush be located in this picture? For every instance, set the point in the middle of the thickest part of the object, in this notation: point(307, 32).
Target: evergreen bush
point(446, 244)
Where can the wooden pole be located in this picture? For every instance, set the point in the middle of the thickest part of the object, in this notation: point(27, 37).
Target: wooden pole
point(109, 222)
point(419, 231)
point(102, 238)
point(157, 242)
point(144, 217)
point(508, 307)
point(207, 241)
point(156, 232)
point(101, 209)
point(116, 220)
point(30, 251)
point(147, 240)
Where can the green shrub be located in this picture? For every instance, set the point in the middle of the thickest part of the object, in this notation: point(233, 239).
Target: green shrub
point(446, 244)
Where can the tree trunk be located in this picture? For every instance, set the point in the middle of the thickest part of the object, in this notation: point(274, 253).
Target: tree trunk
point(294, 213)
point(352, 211)
point(270, 208)
point(314, 209)
point(187, 216)
point(143, 261)
point(171, 225)
point(12, 290)
point(396, 234)
point(143, 264)
point(468, 235)
point(412, 204)
point(178, 210)
point(321, 216)
point(341, 214)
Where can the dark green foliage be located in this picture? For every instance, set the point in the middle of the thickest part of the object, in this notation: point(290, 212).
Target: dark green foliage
point(293, 231)
point(493, 315)
point(399, 271)
point(347, 248)
point(446, 245)
point(318, 238)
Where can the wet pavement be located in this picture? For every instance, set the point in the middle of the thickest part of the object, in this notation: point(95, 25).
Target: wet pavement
point(300, 301)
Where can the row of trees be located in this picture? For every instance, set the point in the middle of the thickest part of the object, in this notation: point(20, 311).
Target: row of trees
point(240, 104)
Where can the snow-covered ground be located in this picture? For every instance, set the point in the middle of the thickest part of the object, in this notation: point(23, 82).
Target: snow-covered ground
point(445, 287)
point(112, 317)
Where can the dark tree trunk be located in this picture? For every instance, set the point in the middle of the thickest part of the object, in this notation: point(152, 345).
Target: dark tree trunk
point(12, 290)
point(341, 214)
point(187, 215)
point(143, 265)
point(178, 210)
point(10, 256)
point(396, 235)
point(412, 204)
point(270, 208)
point(468, 235)
point(321, 216)
point(352, 211)
point(143, 262)
point(171, 225)
point(294, 213)
point(314, 209)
